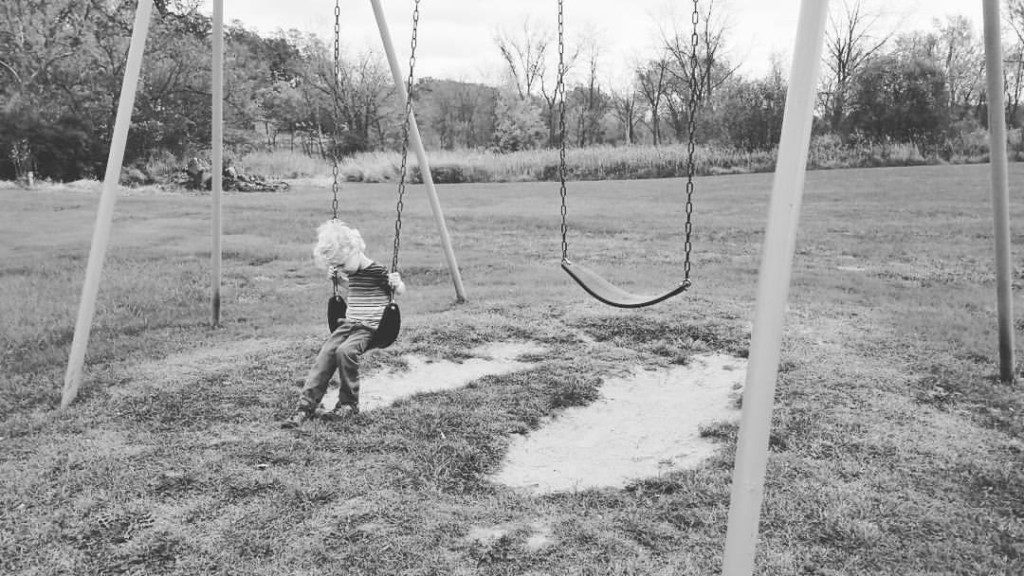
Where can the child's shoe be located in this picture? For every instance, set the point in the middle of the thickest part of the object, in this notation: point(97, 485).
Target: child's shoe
point(297, 419)
point(341, 412)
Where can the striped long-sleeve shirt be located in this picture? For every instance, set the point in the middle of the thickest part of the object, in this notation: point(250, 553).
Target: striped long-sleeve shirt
point(368, 295)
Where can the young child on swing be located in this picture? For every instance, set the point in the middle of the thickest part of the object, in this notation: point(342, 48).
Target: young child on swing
point(340, 250)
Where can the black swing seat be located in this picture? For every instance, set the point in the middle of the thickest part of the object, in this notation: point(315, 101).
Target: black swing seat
point(336, 308)
point(611, 294)
point(387, 332)
point(390, 324)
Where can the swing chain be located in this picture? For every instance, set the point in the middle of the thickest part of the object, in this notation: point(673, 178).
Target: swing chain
point(691, 144)
point(560, 92)
point(405, 134)
point(337, 108)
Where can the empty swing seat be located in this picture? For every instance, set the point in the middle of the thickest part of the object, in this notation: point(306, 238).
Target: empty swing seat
point(591, 281)
point(611, 294)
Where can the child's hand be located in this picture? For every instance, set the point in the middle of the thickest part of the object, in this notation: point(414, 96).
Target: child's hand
point(336, 274)
point(394, 280)
point(396, 284)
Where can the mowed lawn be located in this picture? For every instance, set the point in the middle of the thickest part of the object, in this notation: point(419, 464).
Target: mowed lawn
point(895, 450)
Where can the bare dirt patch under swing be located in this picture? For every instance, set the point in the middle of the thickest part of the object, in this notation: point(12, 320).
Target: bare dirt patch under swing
point(422, 375)
point(641, 426)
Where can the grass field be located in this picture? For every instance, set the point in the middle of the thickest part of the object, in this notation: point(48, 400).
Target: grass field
point(895, 450)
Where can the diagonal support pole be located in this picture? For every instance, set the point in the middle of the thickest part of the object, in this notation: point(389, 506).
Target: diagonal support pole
point(421, 153)
point(105, 212)
point(773, 292)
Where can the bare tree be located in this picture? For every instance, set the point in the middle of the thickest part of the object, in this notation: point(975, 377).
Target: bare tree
point(456, 112)
point(524, 54)
point(1015, 17)
point(698, 70)
point(955, 48)
point(652, 80)
point(1014, 81)
point(531, 60)
point(711, 69)
point(1015, 59)
point(356, 103)
point(962, 58)
point(627, 112)
point(548, 79)
point(176, 7)
point(37, 40)
point(850, 42)
point(590, 112)
point(367, 91)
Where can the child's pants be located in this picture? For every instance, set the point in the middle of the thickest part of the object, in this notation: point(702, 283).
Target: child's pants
point(343, 352)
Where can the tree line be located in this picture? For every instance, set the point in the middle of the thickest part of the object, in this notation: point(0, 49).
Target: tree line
point(61, 64)
point(878, 84)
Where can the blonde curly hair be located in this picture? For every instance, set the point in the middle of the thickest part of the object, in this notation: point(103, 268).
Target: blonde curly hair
point(336, 240)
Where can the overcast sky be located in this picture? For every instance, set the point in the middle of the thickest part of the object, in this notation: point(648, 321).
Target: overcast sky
point(457, 36)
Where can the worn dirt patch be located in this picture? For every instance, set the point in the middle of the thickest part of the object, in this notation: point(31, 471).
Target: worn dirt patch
point(641, 426)
point(537, 536)
point(180, 369)
point(422, 375)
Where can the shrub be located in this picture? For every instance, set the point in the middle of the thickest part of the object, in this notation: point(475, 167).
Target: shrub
point(900, 99)
point(519, 126)
point(64, 149)
point(133, 176)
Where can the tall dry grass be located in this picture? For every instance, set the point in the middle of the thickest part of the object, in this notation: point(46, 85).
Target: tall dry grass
point(284, 165)
point(615, 162)
point(592, 163)
point(640, 162)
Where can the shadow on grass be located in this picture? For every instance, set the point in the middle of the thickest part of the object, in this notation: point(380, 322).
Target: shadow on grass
point(972, 386)
point(675, 339)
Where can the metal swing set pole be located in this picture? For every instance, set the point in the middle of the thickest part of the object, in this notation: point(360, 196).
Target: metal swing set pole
point(217, 157)
point(773, 292)
point(747, 492)
point(108, 197)
point(1000, 185)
